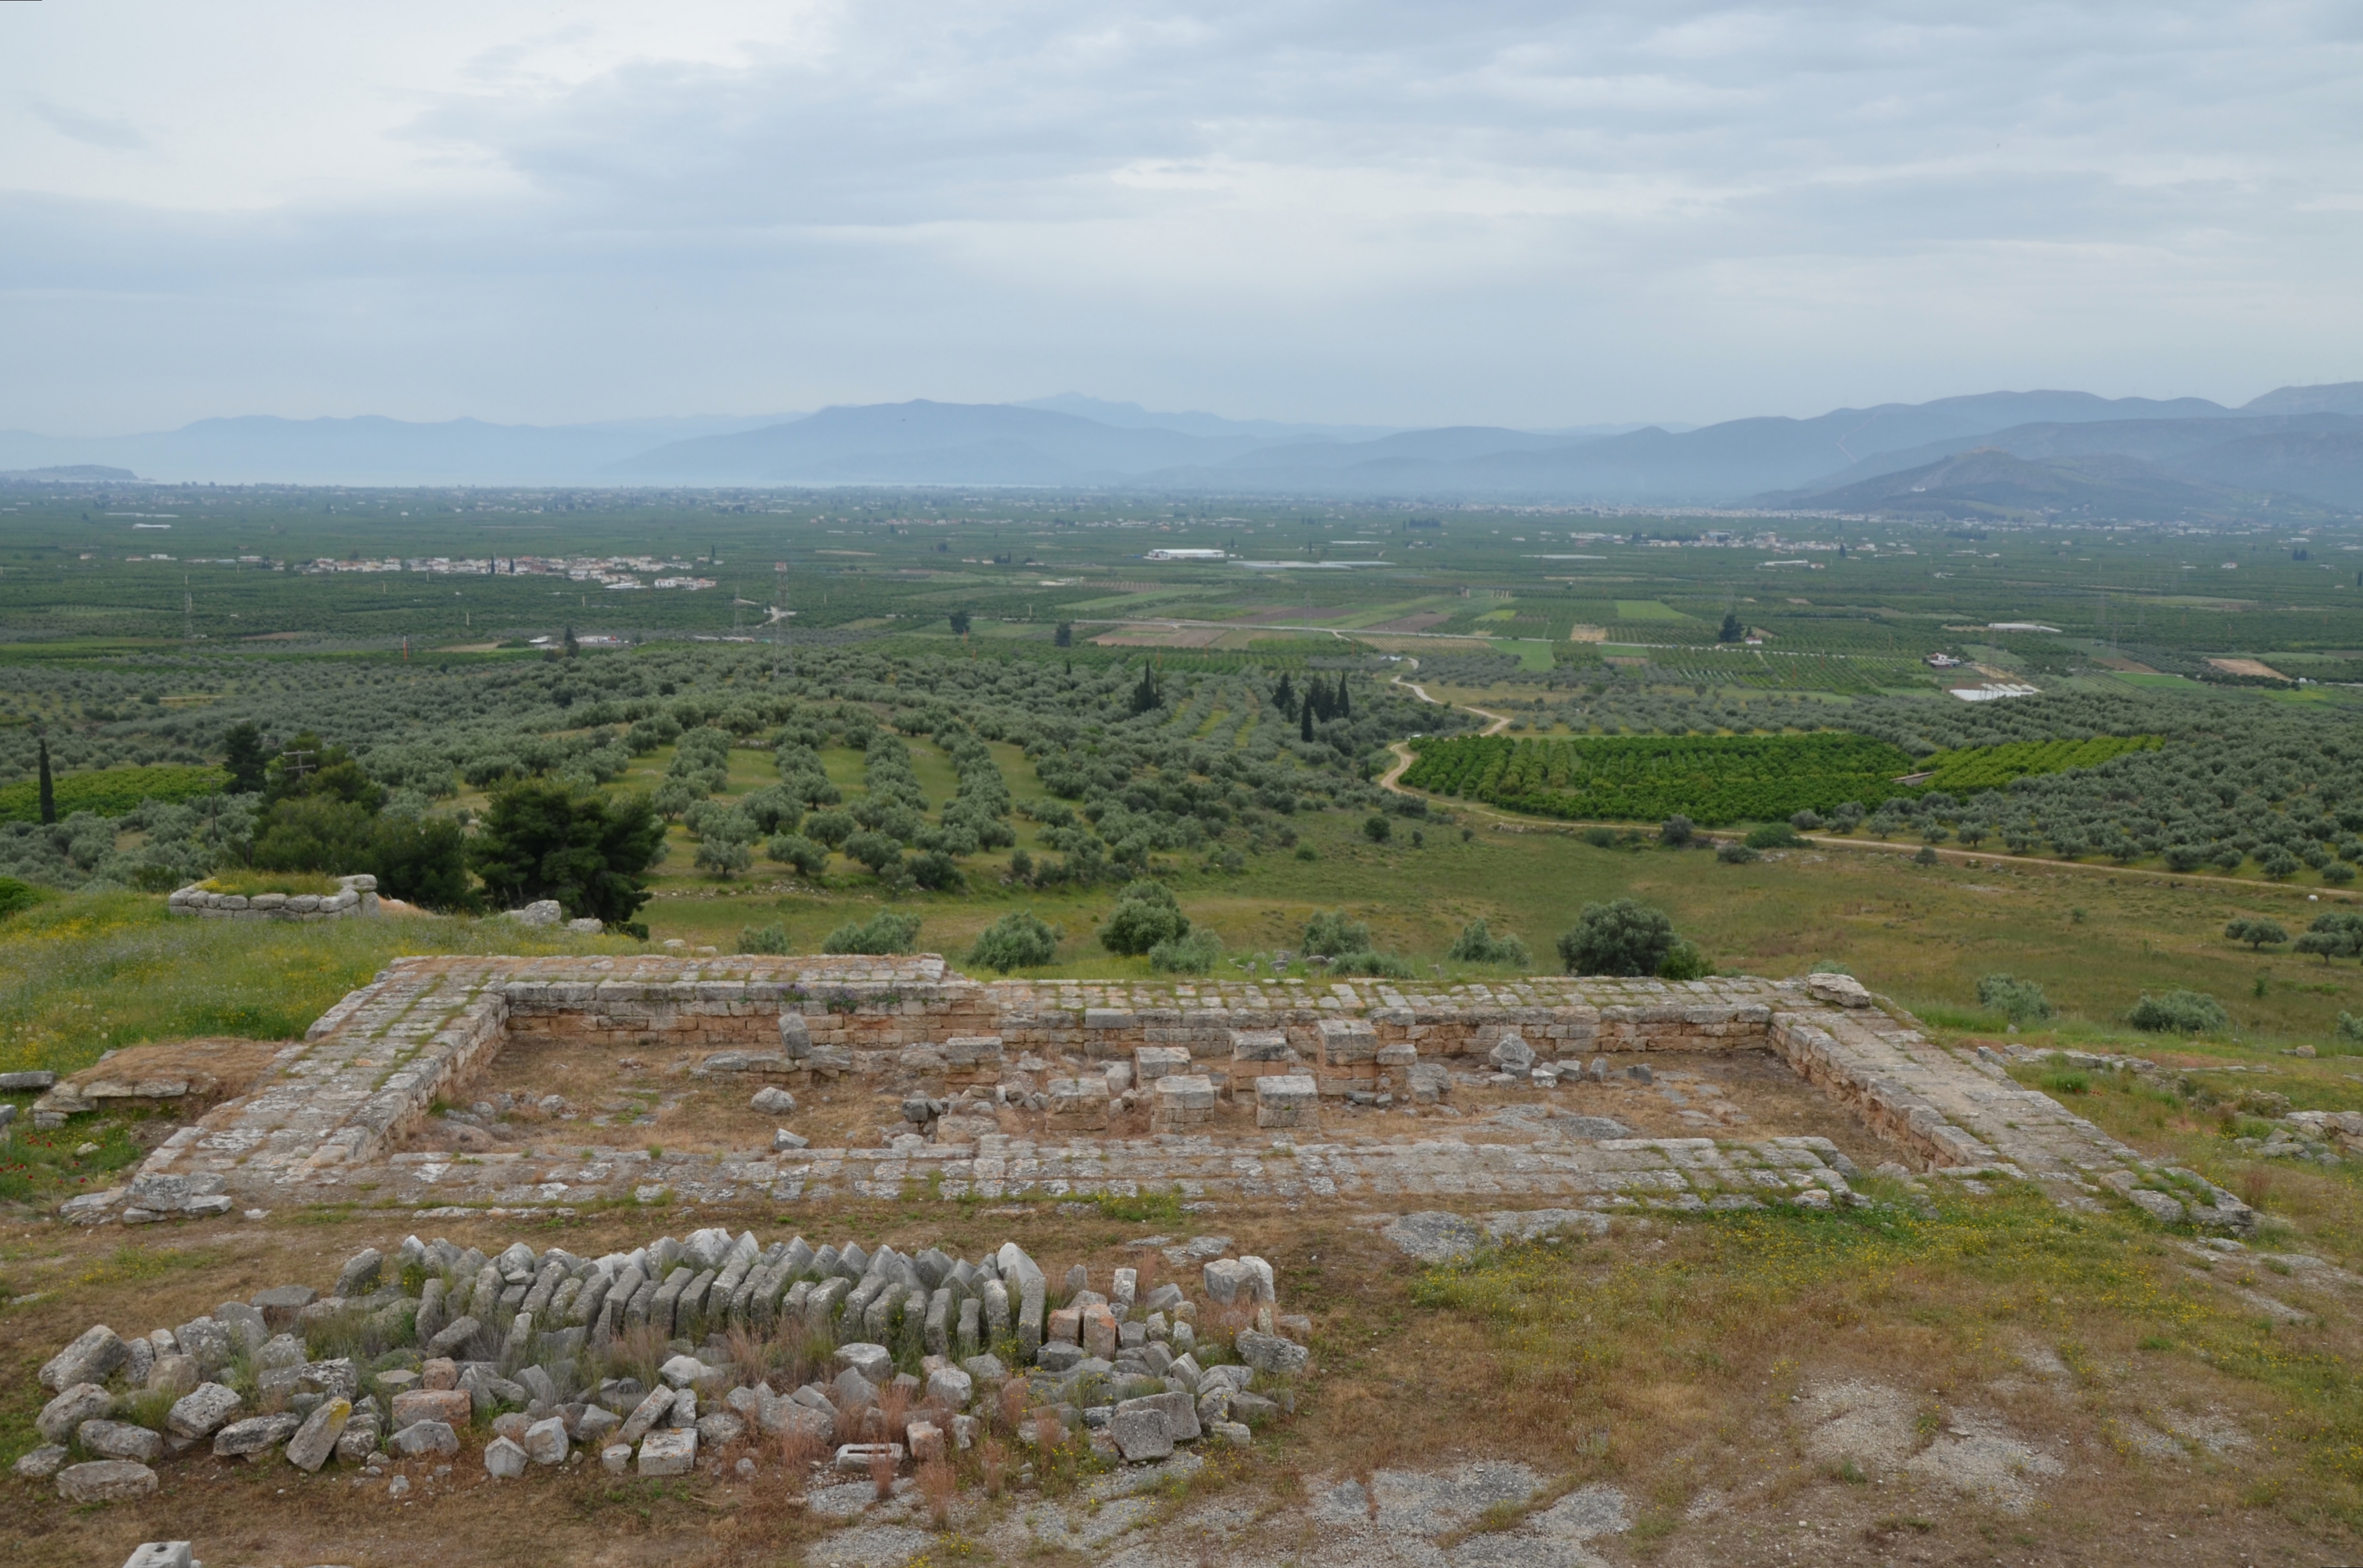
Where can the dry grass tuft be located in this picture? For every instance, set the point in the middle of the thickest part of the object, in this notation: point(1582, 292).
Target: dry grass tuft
point(939, 1483)
point(992, 1464)
point(881, 1474)
point(894, 1412)
point(1012, 1404)
point(799, 1452)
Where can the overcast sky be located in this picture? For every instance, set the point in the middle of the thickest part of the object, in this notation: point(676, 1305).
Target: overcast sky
point(1538, 215)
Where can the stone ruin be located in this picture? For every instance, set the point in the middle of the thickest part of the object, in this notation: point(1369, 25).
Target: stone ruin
point(1250, 1088)
point(355, 899)
point(908, 1358)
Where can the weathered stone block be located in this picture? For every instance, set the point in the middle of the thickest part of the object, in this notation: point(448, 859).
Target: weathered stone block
point(91, 1358)
point(105, 1481)
point(1289, 1100)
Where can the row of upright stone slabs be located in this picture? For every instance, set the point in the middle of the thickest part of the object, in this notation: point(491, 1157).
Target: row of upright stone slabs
point(526, 1331)
point(1183, 1097)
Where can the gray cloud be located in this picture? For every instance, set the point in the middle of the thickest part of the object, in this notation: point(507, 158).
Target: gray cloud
point(1535, 213)
point(111, 133)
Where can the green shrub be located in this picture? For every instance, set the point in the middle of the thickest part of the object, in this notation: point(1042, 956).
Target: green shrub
point(794, 850)
point(1329, 933)
point(1146, 914)
point(2350, 1029)
point(1623, 937)
point(2067, 1083)
point(1192, 954)
point(2021, 1002)
point(15, 895)
point(1377, 829)
point(888, 931)
point(763, 939)
point(1777, 835)
point(2179, 1012)
point(1477, 945)
point(1018, 940)
point(1684, 961)
point(2256, 933)
point(1383, 965)
point(724, 857)
point(1735, 853)
point(937, 872)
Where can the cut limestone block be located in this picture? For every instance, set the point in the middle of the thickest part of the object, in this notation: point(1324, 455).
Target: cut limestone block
point(1293, 1100)
point(1150, 1062)
point(1181, 1102)
point(671, 1451)
point(1347, 1042)
point(1079, 1105)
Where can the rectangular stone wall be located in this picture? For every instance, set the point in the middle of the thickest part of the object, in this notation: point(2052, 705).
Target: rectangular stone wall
point(722, 1015)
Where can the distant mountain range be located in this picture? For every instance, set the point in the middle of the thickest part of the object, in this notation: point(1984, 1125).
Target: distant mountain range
point(2183, 456)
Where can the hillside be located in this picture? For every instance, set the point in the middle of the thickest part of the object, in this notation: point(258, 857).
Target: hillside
point(1989, 482)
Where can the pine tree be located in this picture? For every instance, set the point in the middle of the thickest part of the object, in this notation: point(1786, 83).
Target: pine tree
point(243, 759)
point(49, 786)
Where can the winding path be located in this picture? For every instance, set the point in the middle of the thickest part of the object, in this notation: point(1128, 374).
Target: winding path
point(1403, 752)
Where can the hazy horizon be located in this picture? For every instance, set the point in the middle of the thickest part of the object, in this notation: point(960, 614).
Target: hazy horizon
point(1515, 214)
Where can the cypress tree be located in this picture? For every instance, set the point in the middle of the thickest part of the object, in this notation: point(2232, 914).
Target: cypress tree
point(1345, 703)
point(1284, 697)
point(49, 787)
point(1305, 720)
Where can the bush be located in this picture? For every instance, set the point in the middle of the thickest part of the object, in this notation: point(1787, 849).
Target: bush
point(875, 850)
point(2021, 1002)
point(2179, 1012)
point(1676, 831)
point(1192, 954)
point(936, 872)
point(1624, 937)
point(1329, 933)
point(1600, 837)
point(831, 828)
point(1018, 940)
point(16, 896)
point(763, 939)
point(1383, 965)
point(1477, 945)
point(1735, 853)
point(2350, 1029)
point(724, 856)
point(1146, 914)
point(2255, 932)
point(1377, 829)
point(794, 850)
point(1805, 820)
point(1777, 835)
point(1684, 961)
point(888, 931)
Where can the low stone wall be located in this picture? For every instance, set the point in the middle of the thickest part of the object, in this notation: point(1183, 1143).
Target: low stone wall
point(356, 899)
point(371, 1067)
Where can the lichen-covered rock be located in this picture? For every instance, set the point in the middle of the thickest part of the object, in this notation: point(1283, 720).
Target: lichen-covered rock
point(317, 1437)
point(256, 1434)
point(504, 1460)
point(105, 1481)
point(80, 1402)
point(1269, 1352)
point(119, 1440)
point(201, 1412)
point(91, 1358)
